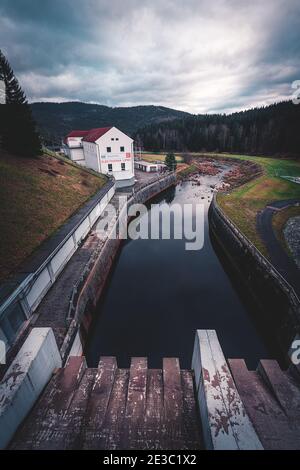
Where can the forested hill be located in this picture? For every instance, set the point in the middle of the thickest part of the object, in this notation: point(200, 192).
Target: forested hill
point(55, 120)
point(272, 130)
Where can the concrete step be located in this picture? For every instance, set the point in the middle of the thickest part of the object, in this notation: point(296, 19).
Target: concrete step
point(111, 408)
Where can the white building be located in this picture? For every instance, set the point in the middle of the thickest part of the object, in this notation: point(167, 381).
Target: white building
point(106, 150)
point(73, 148)
point(149, 167)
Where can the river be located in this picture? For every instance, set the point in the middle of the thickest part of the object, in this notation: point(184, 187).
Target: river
point(159, 294)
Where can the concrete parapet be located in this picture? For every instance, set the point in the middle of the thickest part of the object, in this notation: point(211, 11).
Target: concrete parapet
point(25, 379)
point(225, 423)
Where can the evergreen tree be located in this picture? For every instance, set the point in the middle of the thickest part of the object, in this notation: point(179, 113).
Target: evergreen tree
point(272, 130)
point(17, 128)
point(170, 161)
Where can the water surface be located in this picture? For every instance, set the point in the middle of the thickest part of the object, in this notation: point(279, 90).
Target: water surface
point(159, 294)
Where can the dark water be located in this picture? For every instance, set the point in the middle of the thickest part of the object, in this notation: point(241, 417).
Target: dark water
point(159, 294)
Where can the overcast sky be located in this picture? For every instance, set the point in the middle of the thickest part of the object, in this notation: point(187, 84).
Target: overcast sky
point(194, 55)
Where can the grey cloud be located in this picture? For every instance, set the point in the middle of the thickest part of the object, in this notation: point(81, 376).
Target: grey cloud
point(197, 55)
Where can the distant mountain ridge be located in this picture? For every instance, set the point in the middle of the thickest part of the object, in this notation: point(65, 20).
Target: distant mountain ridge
point(55, 120)
point(268, 130)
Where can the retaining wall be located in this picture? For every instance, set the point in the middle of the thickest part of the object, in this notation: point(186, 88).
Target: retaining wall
point(278, 300)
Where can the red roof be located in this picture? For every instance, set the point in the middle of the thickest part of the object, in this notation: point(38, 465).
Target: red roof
point(89, 136)
point(76, 134)
point(95, 134)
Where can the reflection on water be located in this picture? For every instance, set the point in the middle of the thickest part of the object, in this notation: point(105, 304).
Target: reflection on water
point(159, 294)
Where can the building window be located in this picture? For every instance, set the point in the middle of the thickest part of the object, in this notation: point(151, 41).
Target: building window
point(108, 149)
point(123, 166)
point(110, 167)
point(122, 149)
point(117, 138)
point(112, 138)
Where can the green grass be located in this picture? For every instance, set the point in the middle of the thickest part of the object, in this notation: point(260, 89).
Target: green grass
point(151, 157)
point(37, 197)
point(242, 204)
point(273, 167)
point(185, 171)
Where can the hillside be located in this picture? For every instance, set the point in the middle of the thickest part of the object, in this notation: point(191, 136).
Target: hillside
point(55, 120)
point(272, 130)
point(37, 197)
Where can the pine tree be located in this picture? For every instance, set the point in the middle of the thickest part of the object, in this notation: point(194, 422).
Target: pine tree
point(170, 161)
point(17, 127)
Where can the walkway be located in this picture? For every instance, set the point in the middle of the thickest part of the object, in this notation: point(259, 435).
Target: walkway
point(279, 257)
point(111, 408)
point(271, 398)
point(54, 308)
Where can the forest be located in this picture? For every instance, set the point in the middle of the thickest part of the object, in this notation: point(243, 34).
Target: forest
point(272, 130)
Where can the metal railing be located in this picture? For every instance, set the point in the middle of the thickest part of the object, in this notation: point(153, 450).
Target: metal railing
point(155, 179)
point(257, 253)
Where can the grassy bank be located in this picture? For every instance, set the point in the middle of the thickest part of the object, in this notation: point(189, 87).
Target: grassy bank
point(243, 203)
point(37, 197)
point(183, 170)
